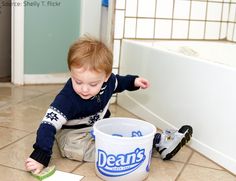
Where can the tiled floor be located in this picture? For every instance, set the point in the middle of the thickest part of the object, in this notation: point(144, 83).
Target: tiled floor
point(21, 110)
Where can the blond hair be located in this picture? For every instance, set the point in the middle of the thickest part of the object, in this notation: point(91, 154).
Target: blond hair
point(90, 53)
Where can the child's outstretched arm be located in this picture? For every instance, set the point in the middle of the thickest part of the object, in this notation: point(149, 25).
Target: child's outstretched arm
point(141, 82)
point(129, 82)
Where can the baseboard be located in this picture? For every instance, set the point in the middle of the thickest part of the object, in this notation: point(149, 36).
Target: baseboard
point(135, 107)
point(57, 78)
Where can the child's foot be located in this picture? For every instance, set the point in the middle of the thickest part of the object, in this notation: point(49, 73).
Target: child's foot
point(170, 141)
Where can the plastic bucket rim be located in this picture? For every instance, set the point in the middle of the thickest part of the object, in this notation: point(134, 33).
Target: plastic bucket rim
point(124, 138)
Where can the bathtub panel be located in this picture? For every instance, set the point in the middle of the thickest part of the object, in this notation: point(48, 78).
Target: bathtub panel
point(185, 90)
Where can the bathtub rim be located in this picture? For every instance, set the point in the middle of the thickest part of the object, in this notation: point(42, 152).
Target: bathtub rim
point(199, 59)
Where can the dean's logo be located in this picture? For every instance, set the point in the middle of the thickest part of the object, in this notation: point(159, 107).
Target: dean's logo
point(121, 164)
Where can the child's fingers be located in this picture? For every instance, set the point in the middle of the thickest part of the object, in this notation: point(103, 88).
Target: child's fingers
point(28, 160)
point(31, 167)
point(144, 84)
point(36, 171)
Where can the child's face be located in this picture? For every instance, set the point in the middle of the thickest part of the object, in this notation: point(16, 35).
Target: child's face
point(87, 83)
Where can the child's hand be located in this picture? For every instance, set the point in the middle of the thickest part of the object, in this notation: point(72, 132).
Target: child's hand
point(141, 82)
point(33, 166)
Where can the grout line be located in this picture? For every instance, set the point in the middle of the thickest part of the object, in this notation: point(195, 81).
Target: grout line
point(124, 20)
point(25, 100)
point(222, 169)
point(1, 148)
point(154, 26)
point(13, 168)
point(185, 165)
point(181, 39)
point(21, 101)
point(201, 166)
point(136, 20)
point(17, 129)
point(180, 19)
point(221, 18)
point(172, 20)
point(3, 105)
point(189, 18)
point(82, 163)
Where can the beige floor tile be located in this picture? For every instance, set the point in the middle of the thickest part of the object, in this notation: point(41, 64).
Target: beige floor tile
point(86, 169)
point(15, 154)
point(12, 157)
point(22, 117)
point(15, 94)
point(164, 170)
point(45, 88)
point(64, 164)
point(10, 174)
point(8, 136)
point(198, 159)
point(6, 91)
point(21, 111)
point(90, 178)
point(182, 156)
point(160, 170)
point(6, 84)
point(4, 100)
point(196, 173)
point(155, 154)
point(42, 101)
point(18, 94)
point(118, 111)
point(26, 115)
point(38, 87)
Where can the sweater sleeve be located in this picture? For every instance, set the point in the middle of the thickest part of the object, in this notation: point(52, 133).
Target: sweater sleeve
point(44, 143)
point(52, 121)
point(125, 83)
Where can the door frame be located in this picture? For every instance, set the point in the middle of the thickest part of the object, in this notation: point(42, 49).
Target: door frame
point(17, 42)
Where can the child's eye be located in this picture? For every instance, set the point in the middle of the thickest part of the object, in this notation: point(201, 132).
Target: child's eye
point(78, 83)
point(93, 85)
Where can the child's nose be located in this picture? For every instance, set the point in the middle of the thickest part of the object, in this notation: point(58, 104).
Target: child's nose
point(85, 88)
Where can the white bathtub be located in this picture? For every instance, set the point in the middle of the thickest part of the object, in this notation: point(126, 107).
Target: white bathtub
point(191, 83)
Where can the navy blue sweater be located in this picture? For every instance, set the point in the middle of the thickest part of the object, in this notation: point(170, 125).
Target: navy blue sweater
point(69, 110)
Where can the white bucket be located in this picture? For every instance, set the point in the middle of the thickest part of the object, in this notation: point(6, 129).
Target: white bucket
point(123, 148)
